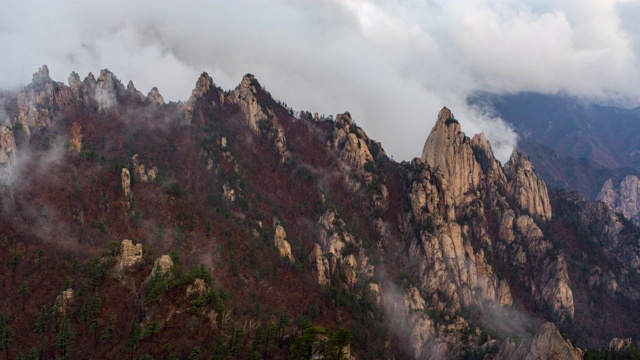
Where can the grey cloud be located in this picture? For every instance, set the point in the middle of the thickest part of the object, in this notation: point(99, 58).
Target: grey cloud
point(393, 65)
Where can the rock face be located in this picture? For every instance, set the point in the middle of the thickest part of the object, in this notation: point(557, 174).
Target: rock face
point(130, 255)
point(279, 240)
point(143, 172)
point(154, 96)
point(245, 97)
point(7, 154)
point(339, 251)
point(448, 149)
point(162, 265)
point(64, 302)
point(547, 344)
point(526, 188)
point(127, 194)
point(624, 199)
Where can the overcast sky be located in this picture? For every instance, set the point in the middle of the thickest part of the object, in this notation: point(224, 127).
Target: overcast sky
point(392, 64)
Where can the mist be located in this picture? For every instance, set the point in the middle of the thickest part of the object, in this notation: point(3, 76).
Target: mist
point(391, 64)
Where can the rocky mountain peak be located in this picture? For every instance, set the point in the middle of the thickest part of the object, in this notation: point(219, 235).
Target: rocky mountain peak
point(74, 80)
point(525, 187)
point(155, 97)
point(448, 149)
point(245, 96)
point(42, 74)
point(625, 198)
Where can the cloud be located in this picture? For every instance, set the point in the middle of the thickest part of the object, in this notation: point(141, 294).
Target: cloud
point(392, 64)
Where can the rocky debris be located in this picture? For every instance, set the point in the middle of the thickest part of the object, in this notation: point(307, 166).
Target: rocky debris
point(228, 193)
point(548, 343)
point(162, 265)
point(154, 96)
point(279, 240)
point(130, 255)
point(64, 301)
point(525, 187)
point(142, 172)
point(448, 150)
point(245, 97)
point(319, 265)
point(618, 344)
point(625, 199)
point(127, 193)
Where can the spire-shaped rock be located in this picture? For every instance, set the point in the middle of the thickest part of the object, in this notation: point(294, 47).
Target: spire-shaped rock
point(448, 149)
point(245, 95)
point(525, 187)
point(42, 75)
point(204, 85)
point(155, 97)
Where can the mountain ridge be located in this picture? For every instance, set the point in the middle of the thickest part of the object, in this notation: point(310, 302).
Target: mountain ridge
point(272, 217)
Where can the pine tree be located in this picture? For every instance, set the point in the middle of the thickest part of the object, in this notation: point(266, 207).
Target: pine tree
point(65, 338)
point(6, 334)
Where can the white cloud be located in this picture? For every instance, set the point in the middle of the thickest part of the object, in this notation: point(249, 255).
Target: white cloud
point(392, 64)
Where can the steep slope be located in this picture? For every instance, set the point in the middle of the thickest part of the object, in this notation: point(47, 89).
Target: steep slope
point(231, 226)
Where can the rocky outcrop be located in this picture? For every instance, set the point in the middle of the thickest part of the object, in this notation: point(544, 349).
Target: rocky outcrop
point(204, 85)
point(130, 255)
point(7, 154)
point(338, 251)
point(245, 97)
point(319, 265)
point(64, 301)
point(154, 96)
point(557, 291)
point(228, 193)
point(548, 343)
point(526, 188)
point(624, 198)
point(449, 151)
point(617, 344)
point(280, 242)
point(143, 172)
point(106, 90)
point(162, 265)
point(350, 145)
point(127, 193)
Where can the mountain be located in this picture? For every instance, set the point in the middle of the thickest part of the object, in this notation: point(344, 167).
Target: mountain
point(595, 142)
point(231, 226)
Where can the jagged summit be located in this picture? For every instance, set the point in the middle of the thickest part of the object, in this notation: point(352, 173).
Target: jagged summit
point(447, 148)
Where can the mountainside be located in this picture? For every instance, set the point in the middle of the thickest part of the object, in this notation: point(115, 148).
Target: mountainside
point(231, 226)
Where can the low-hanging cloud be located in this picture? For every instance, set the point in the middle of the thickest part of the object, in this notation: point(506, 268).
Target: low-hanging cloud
point(392, 64)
